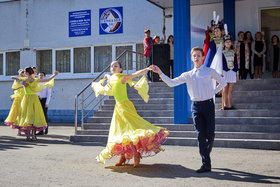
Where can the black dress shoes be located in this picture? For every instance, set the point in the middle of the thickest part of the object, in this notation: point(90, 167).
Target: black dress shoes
point(203, 169)
point(40, 133)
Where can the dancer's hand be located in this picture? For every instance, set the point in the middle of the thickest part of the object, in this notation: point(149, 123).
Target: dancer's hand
point(107, 76)
point(156, 69)
point(56, 73)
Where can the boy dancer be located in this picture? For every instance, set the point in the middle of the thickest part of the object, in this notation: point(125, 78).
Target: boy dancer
point(201, 91)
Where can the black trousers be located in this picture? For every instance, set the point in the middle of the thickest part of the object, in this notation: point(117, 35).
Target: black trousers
point(203, 114)
point(149, 62)
point(43, 103)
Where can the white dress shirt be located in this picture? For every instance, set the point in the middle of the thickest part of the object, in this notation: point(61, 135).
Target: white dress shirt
point(199, 82)
point(46, 93)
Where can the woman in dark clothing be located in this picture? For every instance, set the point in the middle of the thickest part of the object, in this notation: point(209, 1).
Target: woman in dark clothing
point(242, 51)
point(249, 39)
point(273, 57)
point(258, 56)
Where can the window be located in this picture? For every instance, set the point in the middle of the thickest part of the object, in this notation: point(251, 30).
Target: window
point(62, 58)
point(82, 61)
point(1, 64)
point(44, 61)
point(12, 63)
point(140, 59)
point(102, 57)
point(125, 58)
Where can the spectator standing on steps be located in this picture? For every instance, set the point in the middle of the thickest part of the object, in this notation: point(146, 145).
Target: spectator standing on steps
point(273, 56)
point(148, 46)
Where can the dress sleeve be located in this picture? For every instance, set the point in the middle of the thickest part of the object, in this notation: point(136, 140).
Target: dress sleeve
point(142, 87)
point(36, 86)
point(98, 88)
point(16, 85)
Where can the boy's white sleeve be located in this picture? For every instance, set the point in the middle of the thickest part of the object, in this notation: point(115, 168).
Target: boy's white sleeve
point(173, 82)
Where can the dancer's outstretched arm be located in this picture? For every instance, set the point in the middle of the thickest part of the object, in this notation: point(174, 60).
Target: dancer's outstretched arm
point(50, 78)
point(134, 75)
point(170, 82)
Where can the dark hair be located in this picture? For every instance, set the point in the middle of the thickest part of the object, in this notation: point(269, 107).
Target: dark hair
point(147, 30)
point(43, 73)
point(29, 70)
point(169, 38)
point(245, 35)
point(240, 32)
point(273, 37)
point(118, 63)
point(197, 49)
point(34, 67)
point(258, 33)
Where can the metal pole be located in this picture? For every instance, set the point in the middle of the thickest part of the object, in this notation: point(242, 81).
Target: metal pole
point(100, 102)
point(126, 61)
point(76, 114)
point(82, 111)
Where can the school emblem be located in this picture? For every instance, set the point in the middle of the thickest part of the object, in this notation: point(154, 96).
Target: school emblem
point(110, 20)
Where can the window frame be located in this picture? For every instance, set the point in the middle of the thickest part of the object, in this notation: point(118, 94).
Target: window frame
point(71, 74)
point(4, 64)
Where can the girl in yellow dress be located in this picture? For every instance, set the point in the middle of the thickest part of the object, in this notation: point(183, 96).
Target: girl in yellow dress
point(31, 116)
point(129, 135)
point(18, 95)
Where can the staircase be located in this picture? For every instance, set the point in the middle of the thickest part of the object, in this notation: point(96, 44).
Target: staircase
point(254, 124)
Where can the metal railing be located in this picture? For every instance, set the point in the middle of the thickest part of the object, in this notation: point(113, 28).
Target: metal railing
point(86, 99)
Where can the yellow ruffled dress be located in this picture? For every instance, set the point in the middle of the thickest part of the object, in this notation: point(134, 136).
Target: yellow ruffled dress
point(18, 95)
point(31, 115)
point(129, 133)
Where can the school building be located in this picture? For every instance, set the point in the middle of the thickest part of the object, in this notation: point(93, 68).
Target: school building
point(77, 38)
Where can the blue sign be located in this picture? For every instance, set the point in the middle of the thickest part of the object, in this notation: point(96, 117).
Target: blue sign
point(80, 23)
point(111, 20)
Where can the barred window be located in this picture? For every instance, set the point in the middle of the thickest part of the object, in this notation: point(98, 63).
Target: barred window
point(44, 61)
point(102, 57)
point(1, 64)
point(140, 59)
point(82, 60)
point(125, 57)
point(12, 63)
point(62, 58)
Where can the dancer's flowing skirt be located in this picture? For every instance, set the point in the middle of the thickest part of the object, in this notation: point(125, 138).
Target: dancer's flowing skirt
point(30, 115)
point(14, 111)
point(129, 134)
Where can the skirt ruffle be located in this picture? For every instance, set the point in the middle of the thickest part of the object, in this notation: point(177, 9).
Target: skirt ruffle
point(146, 143)
point(129, 134)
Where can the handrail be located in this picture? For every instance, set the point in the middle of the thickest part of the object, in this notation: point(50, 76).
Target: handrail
point(87, 86)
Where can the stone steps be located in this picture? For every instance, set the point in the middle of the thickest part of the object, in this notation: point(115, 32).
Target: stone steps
point(188, 141)
point(192, 133)
point(140, 101)
point(253, 99)
point(270, 106)
point(148, 113)
point(189, 127)
point(146, 106)
point(246, 113)
point(159, 120)
point(255, 124)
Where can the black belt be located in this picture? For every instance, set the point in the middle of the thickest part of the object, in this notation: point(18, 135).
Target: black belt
point(208, 100)
point(42, 98)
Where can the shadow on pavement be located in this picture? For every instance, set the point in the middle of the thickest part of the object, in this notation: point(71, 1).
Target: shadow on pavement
point(179, 171)
point(15, 142)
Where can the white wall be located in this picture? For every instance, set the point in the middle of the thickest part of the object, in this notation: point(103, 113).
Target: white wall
point(50, 22)
point(10, 24)
point(48, 28)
